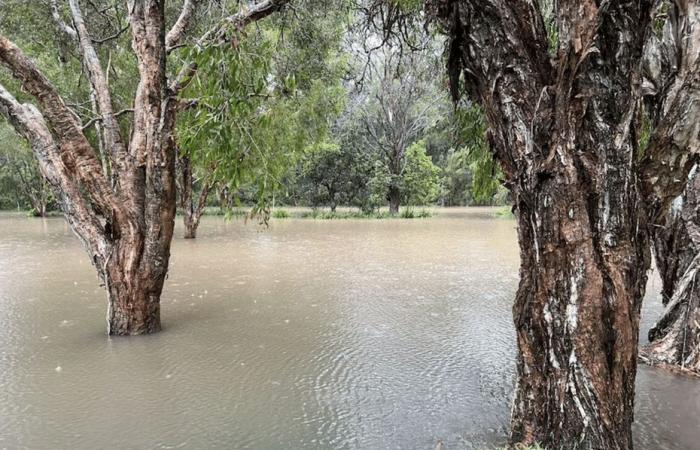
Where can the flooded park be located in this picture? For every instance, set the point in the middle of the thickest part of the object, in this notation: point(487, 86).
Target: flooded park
point(314, 334)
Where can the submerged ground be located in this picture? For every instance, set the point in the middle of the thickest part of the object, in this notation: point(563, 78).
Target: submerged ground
point(349, 334)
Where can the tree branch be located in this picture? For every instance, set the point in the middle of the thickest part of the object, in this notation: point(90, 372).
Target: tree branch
point(30, 123)
point(64, 27)
point(176, 33)
point(219, 34)
point(76, 152)
point(114, 144)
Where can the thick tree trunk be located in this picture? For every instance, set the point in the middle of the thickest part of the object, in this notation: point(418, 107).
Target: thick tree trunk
point(576, 315)
point(562, 129)
point(133, 301)
point(675, 338)
point(394, 200)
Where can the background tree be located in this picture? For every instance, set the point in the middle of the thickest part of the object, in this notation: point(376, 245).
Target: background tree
point(402, 103)
point(259, 107)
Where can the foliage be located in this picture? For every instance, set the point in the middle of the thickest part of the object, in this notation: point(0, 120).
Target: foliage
point(472, 137)
point(253, 119)
point(330, 176)
point(407, 213)
point(421, 178)
point(21, 183)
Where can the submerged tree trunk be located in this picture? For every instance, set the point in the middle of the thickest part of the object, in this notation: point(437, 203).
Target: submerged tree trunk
point(675, 337)
point(192, 212)
point(124, 218)
point(394, 200)
point(134, 297)
point(576, 315)
point(563, 130)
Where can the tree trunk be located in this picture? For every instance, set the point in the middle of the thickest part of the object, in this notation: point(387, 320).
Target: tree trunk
point(134, 299)
point(675, 338)
point(124, 218)
point(192, 213)
point(394, 200)
point(562, 129)
point(576, 315)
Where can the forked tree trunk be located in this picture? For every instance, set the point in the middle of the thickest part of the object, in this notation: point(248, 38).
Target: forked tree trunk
point(192, 211)
point(674, 339)
point(134, 299)
point(125, 218)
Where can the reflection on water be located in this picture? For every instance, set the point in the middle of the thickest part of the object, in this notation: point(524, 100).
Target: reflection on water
point(367, 334)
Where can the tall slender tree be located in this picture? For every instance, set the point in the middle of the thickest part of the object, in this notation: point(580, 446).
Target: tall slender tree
point(563, 125)
point(125, 217)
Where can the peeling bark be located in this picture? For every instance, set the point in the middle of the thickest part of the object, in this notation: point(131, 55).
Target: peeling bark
point(564, 132)
point(125, 219)
point(671, 71)
point(675, 338)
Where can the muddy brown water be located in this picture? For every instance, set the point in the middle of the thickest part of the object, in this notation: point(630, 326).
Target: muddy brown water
point(348, 334)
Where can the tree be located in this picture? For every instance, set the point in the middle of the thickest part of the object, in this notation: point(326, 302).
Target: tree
point(192, 204)
point(259, 106)
point(674, 339)
point(328, 174)
point(563, 125)
point(421, 178)
point(403, 103)
point(124, 217)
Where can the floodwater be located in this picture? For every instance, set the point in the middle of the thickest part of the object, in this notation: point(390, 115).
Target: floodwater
point(347, 334)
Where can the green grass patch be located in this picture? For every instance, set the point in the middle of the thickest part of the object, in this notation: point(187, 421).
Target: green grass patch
point(280, 214)
point(318, 214)
point(505, 212)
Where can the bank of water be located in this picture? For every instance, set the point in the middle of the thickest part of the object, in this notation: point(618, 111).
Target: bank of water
point(353, 334)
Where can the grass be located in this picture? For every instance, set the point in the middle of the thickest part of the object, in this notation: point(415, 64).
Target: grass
point(280, 214)
point(407, 213)
point(505, 212)
point(523, 447)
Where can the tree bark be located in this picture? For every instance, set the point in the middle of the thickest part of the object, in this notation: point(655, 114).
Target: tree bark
point(563, 130)
point(394, 200)
point(125, 219)
point(674, 339)
point(192, 211)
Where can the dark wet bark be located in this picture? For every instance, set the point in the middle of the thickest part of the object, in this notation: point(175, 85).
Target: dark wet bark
point(670, 69)
point(564, 132)
point(394, 196)
point(675, 337)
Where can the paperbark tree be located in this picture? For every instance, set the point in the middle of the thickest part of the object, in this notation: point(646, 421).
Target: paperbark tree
point(125, 219)
point(564, 130)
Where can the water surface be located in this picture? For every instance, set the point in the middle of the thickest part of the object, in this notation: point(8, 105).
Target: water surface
point(348, 334)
